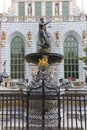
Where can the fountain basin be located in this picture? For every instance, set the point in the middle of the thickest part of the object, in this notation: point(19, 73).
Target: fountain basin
point(52, 57)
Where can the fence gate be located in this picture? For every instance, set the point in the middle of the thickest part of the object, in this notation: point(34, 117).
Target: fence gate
point(43, 108)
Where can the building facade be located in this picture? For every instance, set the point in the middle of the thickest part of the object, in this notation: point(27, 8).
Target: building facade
point(19, 37)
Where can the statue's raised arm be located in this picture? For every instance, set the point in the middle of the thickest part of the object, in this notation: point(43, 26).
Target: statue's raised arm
point(47, 23)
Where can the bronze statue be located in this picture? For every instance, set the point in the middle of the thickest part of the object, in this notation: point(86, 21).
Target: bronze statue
point(43, 35)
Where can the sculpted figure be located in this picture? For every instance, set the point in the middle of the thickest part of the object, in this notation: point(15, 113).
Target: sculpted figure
point(3, 36)
point(43, 36)
point(57, 9)
point(29, 9)
point(57, 36)
point(84, 34)
point(29, 36)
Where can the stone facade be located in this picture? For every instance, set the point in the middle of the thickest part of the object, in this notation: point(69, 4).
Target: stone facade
point(72, 26)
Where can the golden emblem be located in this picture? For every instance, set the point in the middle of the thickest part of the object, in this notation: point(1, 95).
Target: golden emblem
point(43, 62)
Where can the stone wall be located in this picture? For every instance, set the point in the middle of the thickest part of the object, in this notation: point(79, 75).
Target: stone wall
point(64, 28)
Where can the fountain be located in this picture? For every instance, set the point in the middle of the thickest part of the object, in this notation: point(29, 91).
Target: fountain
point(43, 58)
point(43, 47)
point(43, 87)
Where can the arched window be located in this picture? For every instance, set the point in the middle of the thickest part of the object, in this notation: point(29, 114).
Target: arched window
point(17, 58)
point(70, 57)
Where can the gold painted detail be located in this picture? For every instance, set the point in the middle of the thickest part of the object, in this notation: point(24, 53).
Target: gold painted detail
point(43, 62)
point(3, 36)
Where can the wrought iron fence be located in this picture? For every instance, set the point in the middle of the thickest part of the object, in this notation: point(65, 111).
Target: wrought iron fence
point(22, 110)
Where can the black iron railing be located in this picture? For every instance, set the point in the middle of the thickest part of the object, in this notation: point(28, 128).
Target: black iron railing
point(32, 111)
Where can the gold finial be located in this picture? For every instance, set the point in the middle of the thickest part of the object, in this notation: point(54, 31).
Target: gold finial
point(43, 62)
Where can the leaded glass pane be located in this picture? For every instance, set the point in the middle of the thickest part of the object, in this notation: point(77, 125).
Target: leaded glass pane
point(49, 8)
point(21, 9)
point(17, 58)
point(38, 9)
point(65, 9)
point(70, 57)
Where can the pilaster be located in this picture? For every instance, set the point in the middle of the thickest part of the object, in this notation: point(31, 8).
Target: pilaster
point(60, 8)
point(43, 8)
point(0, 57)
point(53, 8)
point(0, 67)
point(26, 7)
point(0, 51)
point(74, 2)
point(16, 7)
point(71, 8)
point(33, 8)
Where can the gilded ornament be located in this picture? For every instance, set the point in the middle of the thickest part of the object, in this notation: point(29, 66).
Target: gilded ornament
point(43, 62)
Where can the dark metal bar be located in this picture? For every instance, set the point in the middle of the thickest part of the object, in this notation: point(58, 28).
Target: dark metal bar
point(59, 117)
point(76, 114)
point(72, 114)
point(2, 123)
point(63, 112)
point(15, 114)
point(23, 105)
point(67, 112)
point(43, 107)
point(19, 111)
point(6, 113)
point(10, 112)
point(27, 112)
point(80, 110)
point(85, 114)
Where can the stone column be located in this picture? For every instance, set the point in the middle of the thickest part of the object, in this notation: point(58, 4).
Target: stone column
point(26, 7)
point(53, 8)
point(60, 8)
point(74, 2)
point(33, 9)
point(71, 8)
point(16, 7)
point(43, 8)
point(0, 51)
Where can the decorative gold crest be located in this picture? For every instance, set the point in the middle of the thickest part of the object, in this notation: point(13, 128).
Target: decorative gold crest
point(43, 62)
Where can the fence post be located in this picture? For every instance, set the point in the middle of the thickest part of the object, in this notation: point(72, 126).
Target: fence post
point(27, 111)
point(43, 106)
point(59, 117)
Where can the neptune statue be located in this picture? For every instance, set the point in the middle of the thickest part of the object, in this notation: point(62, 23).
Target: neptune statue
point(44, 38)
